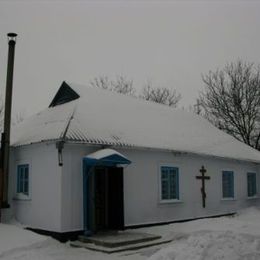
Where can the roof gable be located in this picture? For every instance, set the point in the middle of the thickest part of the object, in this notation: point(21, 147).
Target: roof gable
point(65, 94)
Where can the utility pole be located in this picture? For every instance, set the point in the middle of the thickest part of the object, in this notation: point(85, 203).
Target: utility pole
point(5, 138)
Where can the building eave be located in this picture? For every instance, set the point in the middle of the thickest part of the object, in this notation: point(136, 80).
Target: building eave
point(136, 147)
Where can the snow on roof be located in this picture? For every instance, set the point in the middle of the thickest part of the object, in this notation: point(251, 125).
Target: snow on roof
point(107, 118)
point(100, 154)
point(47, 125)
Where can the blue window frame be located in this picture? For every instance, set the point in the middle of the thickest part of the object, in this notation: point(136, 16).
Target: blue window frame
point(169, 183)
point(23, 179)
point(228, 184)
point(251, 184)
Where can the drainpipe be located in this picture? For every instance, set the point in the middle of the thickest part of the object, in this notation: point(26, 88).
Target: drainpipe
point(60, 146)
point(5, 141)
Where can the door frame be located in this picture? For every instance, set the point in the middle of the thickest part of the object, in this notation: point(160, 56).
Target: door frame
point(91, 195)
point(104, 157)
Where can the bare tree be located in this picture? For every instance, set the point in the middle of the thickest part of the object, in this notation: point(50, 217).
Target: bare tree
point(231, 101)
point(124, 86)
point(101, 82)
point(120, 85)
point(161, 95)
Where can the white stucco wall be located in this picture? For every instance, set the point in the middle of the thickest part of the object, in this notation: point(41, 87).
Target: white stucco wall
point(72, 186)
point(141, 187)
point(43, 208)
point(57, 192)
point(142, 197)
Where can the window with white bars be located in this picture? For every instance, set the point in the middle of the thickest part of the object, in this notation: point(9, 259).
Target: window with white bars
point(169, 183)
point(23, 179)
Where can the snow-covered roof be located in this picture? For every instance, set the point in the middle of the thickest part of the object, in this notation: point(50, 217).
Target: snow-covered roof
point(103, 153)
point(108, 157)
point(97, 116)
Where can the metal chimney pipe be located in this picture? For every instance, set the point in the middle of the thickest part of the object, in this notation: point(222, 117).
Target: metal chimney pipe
point(5, 141)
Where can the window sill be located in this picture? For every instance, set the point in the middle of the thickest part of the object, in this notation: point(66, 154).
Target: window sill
point(170, 201)
point(228, 199)
point(22, 197)
point(252, 198)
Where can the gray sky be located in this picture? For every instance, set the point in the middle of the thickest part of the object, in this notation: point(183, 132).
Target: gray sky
point(168, 42)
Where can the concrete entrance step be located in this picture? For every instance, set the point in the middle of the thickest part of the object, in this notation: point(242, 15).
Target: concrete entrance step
point(118, 238)
point(110, 250)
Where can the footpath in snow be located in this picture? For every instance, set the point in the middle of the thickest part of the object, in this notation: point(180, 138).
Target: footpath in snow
point(228, 238)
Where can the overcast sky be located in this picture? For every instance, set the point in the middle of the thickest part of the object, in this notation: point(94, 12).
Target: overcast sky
point(170, 43)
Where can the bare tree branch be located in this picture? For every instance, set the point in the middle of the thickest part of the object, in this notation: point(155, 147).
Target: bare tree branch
point(231, 101)
point(125, 86)
point(120, 85)
point(161, 95)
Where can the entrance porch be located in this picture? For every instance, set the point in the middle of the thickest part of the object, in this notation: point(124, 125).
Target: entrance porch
point(103, 192)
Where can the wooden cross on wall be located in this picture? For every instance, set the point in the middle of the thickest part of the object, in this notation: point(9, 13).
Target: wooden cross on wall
point(203, 178)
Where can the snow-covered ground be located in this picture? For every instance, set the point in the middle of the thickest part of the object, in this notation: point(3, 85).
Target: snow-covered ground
point(227, 238)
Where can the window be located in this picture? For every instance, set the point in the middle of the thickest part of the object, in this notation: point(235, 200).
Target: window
point(23, 179)
point(228, 184)
point(251, 184)
point(169, 183)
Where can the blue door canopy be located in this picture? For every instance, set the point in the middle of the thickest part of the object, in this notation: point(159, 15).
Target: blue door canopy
point(106, 157)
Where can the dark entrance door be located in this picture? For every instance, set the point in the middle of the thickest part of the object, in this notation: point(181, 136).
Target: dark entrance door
point(100, 196)
point(108, 190)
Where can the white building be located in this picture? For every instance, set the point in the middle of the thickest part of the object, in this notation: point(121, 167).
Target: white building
point(149, 177)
